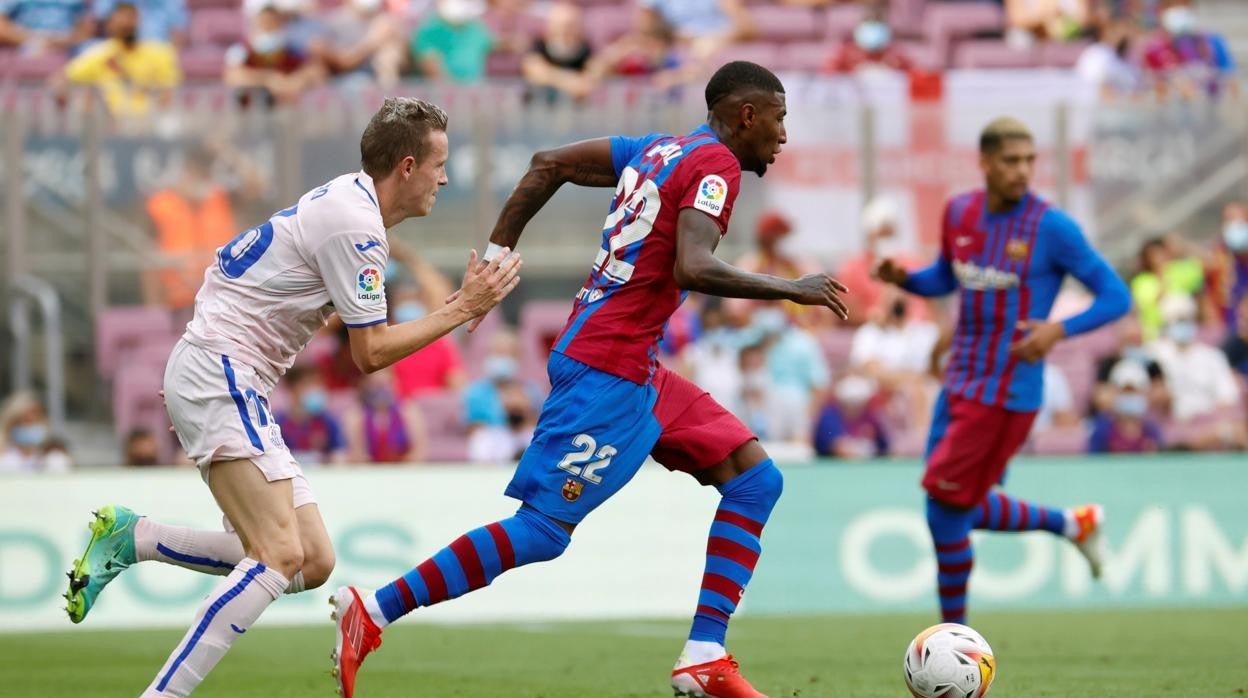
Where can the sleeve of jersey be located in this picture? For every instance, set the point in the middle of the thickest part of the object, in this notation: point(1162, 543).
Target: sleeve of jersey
point(936, 279)
point(625, 148)
point(353, 267)
point(1072, 253)
point(710, 184)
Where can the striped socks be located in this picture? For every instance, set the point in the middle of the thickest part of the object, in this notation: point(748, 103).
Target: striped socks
point(1001, 512)
point(951, 534)
point(733, 548)
point(470, 562)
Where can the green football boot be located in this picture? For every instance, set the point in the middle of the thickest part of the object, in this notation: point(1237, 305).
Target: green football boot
point(110, 551)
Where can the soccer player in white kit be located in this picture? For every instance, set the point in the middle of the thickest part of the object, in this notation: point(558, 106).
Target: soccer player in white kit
point(270, 290)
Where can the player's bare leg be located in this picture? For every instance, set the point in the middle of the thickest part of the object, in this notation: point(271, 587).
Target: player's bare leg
point(750, 484)
point(264, 515)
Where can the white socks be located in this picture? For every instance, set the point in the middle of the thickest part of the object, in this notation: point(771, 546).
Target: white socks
point(374, 610)
point(227, 612)
point(700, 652)
point(1072, 525)
point(210, 552)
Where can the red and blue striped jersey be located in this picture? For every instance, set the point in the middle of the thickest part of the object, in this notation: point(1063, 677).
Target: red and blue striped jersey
point(1009, 267)
point(619, 316)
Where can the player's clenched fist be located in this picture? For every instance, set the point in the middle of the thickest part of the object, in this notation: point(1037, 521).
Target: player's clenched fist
point(821, 289)
point(488, 283)
point(890, 272)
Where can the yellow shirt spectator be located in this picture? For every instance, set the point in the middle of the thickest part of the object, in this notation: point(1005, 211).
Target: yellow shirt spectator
point(127, 74)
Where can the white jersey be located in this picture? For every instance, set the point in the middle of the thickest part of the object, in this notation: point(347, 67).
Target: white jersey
point(272, 287)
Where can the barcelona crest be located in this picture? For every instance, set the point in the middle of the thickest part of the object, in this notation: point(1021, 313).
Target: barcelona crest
point(1016, 250)
point(572, 489)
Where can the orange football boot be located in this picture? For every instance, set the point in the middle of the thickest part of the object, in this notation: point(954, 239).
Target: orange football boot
point(357, 636)
point(720, 678)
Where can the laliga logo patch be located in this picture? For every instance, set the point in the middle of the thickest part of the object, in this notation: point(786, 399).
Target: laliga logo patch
point(368, 283)
point(712, 193)
point(572, 489)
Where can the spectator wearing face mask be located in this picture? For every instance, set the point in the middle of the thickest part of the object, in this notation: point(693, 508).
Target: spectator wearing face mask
point(127, 71)
point(769, 257)
point(850, 425)
point(1126, 427)
point(756, 405)
point(141, 449)
point(1202, 385)
point(712, 361)
point(1185, 58)
point(380, 429)
point(1107, 65)
point(870, 47)
point(500, 409)
point(882, 237)
point(270, 62)
point(1162, 273)
point(362, 44)
point(311, 432)
point(1130, 348)
point(557, 65)
point(453, 42)
point(796, 369)
point(26, 441)
point(1228, 268)
point(435, 368)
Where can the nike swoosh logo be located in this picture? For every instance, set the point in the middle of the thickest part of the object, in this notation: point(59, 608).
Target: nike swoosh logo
point(366, 246)
point(237, 629)
point(962, 241)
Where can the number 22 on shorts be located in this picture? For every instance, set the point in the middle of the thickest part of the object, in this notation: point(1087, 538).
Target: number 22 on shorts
point(578, 462)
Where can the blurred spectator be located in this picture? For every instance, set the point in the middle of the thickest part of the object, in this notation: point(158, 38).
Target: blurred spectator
point(558, 62)
point(1202, 385)
point(1130, 348)
point(712, 362)
point(893, 344)
point(194, 217)
point(26, 442)
point(312, 434)
point(500, 409)
point(141, 449)
point(850, 425)
point(381, 429)
point(270, 62)
point(362, 43)
point(769, 230)
point(757, 406)
point(649, 50)
point(707, 24)
point(1126, 426)
point(1057, 402)
point(880, 240)
point(797, 372)
point(301, 25)
point(1182, 57)
point(438, 366)
point(338, 369)
point(1161, 274)
point(1107, 64)
point(1228, 269)
point(44, 26)
point(452, 44)
point(159, 20)
point(1236, 346)
point(1045, 20)
point(870, 47)
point(126, 69)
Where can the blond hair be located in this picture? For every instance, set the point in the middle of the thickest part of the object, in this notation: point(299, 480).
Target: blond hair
point(1000, 130)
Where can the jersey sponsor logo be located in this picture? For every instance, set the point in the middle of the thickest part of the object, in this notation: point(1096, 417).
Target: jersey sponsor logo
point(712, 193)
point(976, 278)
point(572, 489)
point(368, 284)
point(366, 246)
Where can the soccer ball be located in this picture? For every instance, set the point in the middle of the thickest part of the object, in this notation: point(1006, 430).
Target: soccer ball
point(949, 661)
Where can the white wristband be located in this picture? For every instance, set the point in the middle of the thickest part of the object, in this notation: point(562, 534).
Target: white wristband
point(491, 251)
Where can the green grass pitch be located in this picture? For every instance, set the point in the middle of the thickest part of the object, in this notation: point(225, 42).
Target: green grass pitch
point(1068, 654)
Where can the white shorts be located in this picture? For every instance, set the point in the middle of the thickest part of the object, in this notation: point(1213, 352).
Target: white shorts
point(220, 410)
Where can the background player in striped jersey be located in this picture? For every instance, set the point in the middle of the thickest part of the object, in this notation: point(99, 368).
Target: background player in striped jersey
point(611, 404)
point(270, 290)
point(1007, 251)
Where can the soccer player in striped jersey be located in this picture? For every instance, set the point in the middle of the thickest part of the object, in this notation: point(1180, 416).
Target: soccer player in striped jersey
point(1007, 251)
point(611, 403)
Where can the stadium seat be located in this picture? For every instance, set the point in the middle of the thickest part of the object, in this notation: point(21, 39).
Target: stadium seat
point(992, 53)
point(784, 23)
point(137, 402)
point(840, 21)
point(906, 16)
point(203, 63)
point(121, 328)
point(443, 413)
point(606, 23)
point(219, 26)
point(944, 23)
point(540, 324)
point(1061, 55)
point(804, 56)
point(1067, 441)
point(477, 344)
point(35, 68)
point(503, 64)
point(761, 52)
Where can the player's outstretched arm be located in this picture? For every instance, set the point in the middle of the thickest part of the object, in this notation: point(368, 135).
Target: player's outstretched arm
point(934, 280)
point(584, 163)
point(698, 269)
point(375, 347)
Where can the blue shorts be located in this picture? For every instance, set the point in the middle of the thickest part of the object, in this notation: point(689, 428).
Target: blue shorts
point(594, 433)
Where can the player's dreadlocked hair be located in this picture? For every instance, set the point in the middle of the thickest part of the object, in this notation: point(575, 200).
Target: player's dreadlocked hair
point(739, 75)
point(400, 128)
point(1001, 130)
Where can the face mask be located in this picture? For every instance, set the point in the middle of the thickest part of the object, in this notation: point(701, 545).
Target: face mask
point(460, 11)
point(1136, 354)
point(854, 391)
point(1236, 235)
point(1182, 332)
point(408, 311)
point(872, 36)
point(366, 6)
point(499, 368)
point(1178, 20)
point(755, 380)
point(1131, 404)
point(314, 401)
point(770, 321)
point(267, 42)
point(29, 435)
